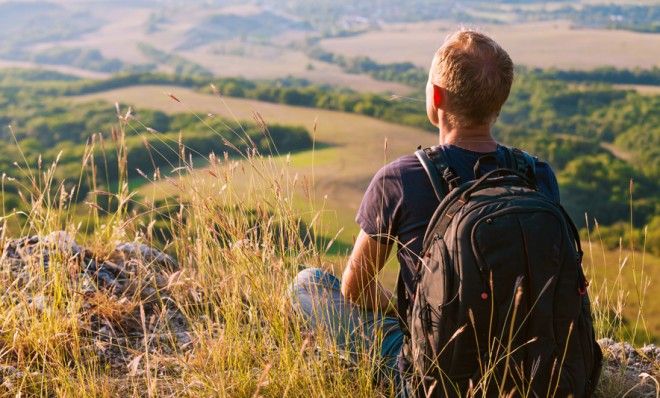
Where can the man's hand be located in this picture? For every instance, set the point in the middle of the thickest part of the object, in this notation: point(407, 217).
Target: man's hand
point(358, 283)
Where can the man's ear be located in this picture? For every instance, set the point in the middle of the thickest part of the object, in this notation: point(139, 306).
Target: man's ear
point(437, 96)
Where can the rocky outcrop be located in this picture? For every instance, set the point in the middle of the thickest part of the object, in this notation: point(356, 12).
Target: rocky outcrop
point(629, 371)
point(126, 305)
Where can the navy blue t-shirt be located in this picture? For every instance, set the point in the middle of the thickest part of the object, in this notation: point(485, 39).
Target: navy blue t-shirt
point(399, 202)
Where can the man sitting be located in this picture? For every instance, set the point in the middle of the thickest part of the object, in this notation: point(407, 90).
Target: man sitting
point(469, 81)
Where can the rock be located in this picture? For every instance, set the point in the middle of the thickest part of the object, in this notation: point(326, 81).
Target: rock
point(632, 370)
point(8, 371)
point(38, 302)
point(652, 352)
point(125, 293)
point(63, 242)
point(156, 259)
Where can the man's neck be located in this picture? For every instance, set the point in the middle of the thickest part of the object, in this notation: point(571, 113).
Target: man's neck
point(477, 139)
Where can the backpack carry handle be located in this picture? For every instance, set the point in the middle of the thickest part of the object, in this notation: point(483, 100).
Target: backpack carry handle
point(501, 172)
point(490, 158)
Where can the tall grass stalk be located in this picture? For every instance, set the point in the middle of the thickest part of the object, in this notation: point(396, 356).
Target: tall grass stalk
point(239, 240)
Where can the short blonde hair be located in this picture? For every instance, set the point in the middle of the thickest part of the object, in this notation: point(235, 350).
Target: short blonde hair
point(477, 74)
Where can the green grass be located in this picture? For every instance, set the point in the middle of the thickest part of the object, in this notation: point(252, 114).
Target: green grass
point(316, 158)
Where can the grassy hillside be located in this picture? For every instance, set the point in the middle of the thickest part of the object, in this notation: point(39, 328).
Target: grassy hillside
point(241, 222)
point(351, 148)
point(237, 241)
point(571, 127)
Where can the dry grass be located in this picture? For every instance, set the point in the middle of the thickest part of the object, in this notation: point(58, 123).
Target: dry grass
point(338, 178)
point(232, 289)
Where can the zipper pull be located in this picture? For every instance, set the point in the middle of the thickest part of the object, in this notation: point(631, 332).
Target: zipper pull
point(484, 293)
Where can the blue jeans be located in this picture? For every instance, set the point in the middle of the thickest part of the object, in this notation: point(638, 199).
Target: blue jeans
point(317, 296)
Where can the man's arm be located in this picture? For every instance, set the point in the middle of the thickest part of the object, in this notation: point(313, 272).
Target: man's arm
point(358, 283)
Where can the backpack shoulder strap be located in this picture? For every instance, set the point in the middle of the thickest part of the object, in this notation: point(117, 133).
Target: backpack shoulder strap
point(442, 176)
point(521, 162)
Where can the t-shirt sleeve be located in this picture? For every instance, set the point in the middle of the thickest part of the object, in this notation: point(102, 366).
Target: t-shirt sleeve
point(547, 181)
point(379, 212)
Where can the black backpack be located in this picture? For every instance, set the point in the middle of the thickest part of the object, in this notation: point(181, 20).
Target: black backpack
point(500, 306)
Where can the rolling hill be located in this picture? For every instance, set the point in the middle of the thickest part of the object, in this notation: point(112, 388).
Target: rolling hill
point(350, 148)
